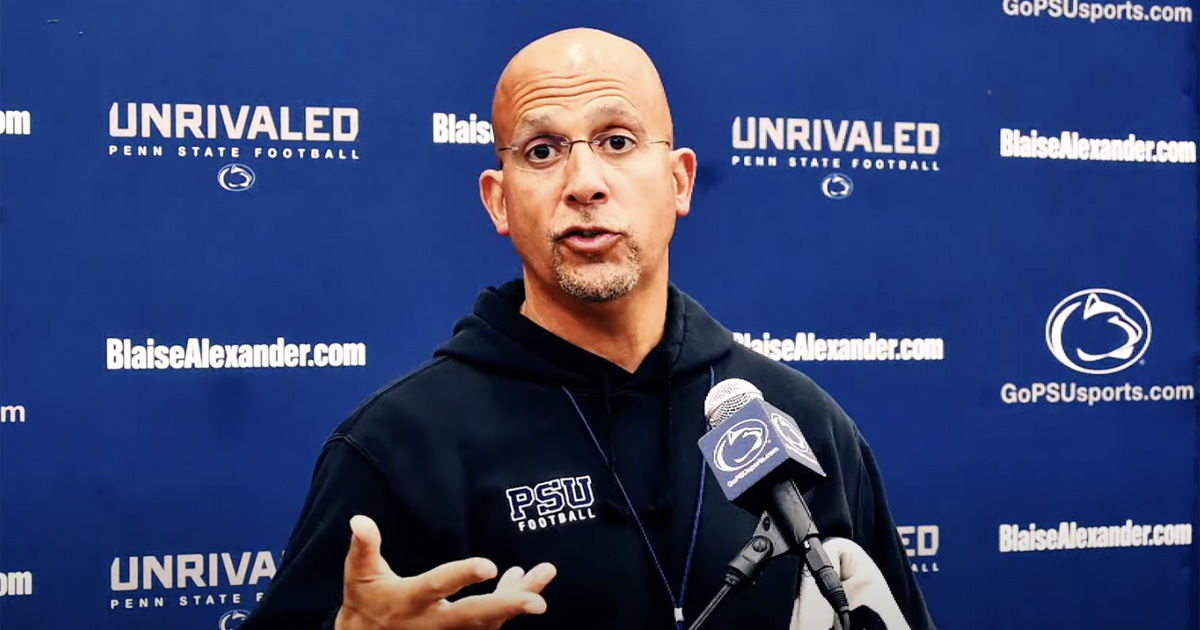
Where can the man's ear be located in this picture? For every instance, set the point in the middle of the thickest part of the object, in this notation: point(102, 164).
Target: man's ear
point(491, 192)
point(683, 174)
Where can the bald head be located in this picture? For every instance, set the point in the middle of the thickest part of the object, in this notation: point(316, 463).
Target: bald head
point(571, 68)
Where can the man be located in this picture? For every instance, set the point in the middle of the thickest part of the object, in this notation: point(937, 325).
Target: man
point(554, 436)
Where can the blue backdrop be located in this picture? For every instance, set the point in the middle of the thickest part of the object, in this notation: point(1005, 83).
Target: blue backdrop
point(1000, 196)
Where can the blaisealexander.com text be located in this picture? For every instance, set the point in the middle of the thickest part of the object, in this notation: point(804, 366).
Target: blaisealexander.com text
point(199, 353)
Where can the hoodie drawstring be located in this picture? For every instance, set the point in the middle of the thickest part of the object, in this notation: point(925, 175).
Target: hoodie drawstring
point(676, 604)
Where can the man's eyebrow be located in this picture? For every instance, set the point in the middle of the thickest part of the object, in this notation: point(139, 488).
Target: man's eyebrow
point(623, 116)
point(533, 121)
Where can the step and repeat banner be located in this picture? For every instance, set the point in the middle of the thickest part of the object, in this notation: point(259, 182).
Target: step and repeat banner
point(223, 225)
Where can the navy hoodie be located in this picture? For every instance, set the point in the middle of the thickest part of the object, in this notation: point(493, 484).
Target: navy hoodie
point(494, 448)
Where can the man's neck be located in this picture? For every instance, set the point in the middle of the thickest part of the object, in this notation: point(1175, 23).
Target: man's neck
point(623, 331)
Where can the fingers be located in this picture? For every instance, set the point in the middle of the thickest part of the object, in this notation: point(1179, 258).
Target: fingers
point(511, 579)
point(532, 582)
point(539, 576)
point(445, 580)
point(517, 593)
point(364, 560)
point(492, 609)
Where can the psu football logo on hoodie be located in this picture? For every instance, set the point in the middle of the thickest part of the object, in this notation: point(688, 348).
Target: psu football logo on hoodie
point(551, 503)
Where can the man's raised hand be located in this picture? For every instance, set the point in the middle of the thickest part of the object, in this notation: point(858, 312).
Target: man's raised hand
point(375, 598)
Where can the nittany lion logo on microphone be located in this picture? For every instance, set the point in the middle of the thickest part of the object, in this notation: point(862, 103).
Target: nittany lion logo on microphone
point(790, 435)
point(740, 445)
point(1113, 327)
point(793, 440)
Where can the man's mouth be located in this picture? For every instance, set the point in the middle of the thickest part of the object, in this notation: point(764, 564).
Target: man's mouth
point(585, 233)
point(589, 240)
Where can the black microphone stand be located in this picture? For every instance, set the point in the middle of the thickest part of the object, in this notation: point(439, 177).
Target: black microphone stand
point(766, 544)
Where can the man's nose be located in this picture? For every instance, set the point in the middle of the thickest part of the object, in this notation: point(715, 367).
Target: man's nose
point(585, 175)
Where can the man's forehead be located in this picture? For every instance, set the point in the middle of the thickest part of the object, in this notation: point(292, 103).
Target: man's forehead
point(580, 74)
point(609, 112)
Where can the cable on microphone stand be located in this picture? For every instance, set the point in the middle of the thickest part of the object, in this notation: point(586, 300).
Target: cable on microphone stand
point(767, 544)
point(746, 566)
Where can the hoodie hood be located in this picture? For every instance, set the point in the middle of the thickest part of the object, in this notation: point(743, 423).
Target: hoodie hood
point(497, 337)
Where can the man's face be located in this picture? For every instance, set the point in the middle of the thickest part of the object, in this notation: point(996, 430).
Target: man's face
point(593, 220)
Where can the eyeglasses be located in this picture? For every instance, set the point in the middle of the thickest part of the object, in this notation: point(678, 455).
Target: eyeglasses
point(547, 152)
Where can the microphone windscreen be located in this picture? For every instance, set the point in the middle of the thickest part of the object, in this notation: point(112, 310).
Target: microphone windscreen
point(726, 398)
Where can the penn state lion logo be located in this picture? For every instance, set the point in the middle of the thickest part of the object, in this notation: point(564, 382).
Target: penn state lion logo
point(740, 445)
point(1118, 344)
point(232, 620)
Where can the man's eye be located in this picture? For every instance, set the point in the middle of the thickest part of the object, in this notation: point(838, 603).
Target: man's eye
point(618, 143)
point(540, 151)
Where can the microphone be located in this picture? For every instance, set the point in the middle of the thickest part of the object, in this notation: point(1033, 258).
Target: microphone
point(764, 464)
